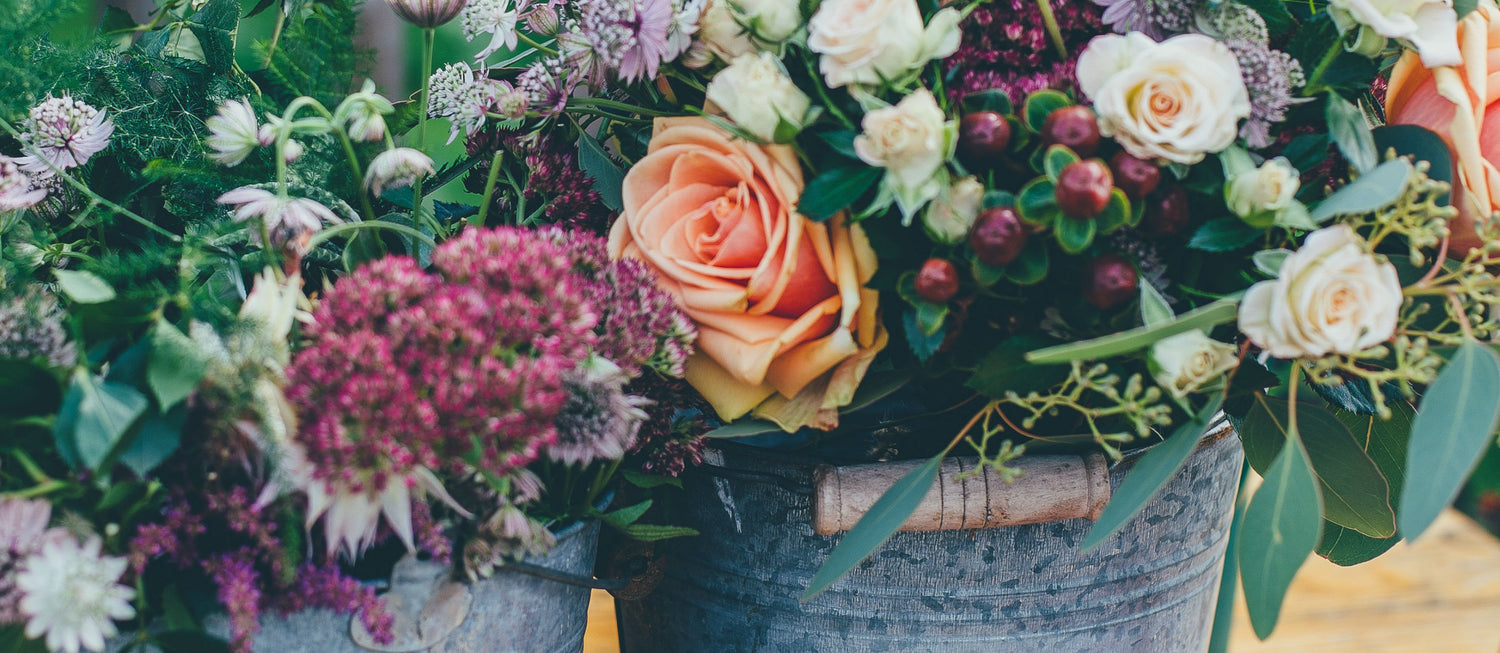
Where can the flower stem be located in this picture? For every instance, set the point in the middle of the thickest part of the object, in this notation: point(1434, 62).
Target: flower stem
point(489, 190)
point(1314, 81)
point(532, 42)
point(1053, 31)
point(416, 186)
point(359, 175)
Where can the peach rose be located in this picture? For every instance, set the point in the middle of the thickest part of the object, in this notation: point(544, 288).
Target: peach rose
point(1461, 104)
point(786, 326)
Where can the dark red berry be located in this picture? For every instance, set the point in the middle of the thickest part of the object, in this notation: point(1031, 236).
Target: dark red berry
point(1083, 188)
point(998, 236)
point(1075, 127)
point(982, 138)
point(1137, 177)
point(937, 281)
point(1166, 213)
point(1109, 281)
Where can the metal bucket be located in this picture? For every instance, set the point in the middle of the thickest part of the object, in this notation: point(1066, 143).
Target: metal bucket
point(511, 612)
point(1151, 588)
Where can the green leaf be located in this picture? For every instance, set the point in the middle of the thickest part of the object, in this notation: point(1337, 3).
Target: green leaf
point(986, 275)
point(1204, 317)
point(609, 179)
point(1281, 528)
point(1421, 144)
point(1057, 158)
point(1150, 475)
point(1278, 20)
point(923, 344)
point(996, 100)
point(1223, 235)
point(626, 516)
point(1074, 236)
point(1371, 191)
point(13, 640)
point(743, 429)
point(27, 388)
point(1154, 308)
point(877, 386)
point(1463, 7)
point(1004, 369)
point(95, 416)
point(890, 511)
point(656, 532)
point(841, 141)
point(1347, 547)
point(835, 189)
point(1030, 268)
point(155, 442)
point(215, 25)
point(1346, 123)
point(177, 365)
point(175, 611)
point(83, 287)
point(1041, 104)
point(1037, 203)
point(1355, 493)
point(1269, 261)
point(1116, 213)
point(1454, 426)
point(649, 481)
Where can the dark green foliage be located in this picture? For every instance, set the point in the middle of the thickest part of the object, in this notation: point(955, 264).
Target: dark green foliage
point(29, 58)
point(316, 55)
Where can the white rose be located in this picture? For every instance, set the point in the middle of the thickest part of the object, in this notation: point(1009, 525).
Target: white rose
point(771, 21)
point(1176, 100)
point(755, 93)
point(867, 41)
point(949, 218)
point(1263, 191)
point(911, 141)
point(1430, 26)
point(1189, 361)
point(1332, 295)
point(722, 32)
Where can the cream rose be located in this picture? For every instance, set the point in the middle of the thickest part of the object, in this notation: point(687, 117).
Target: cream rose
point(1190, 361)
point(1176, 100)
point(786, 325)
point(867, 41)
point(1263, 191)
point(771, 21)
point(949, 217)
point(1429, 26)
point(911, 140)
point(722, 32)
point(1330, 296)
point(755, 93)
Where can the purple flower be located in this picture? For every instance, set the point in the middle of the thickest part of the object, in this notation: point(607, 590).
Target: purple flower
point(545, 87)
point(599, 420)
point(287, 220)
point(17, 190)
point(634, 37)
point(1005, 46)
point(63, 133)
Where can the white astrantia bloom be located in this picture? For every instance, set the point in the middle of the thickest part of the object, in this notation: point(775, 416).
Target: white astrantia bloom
point(456, 94)
point(759, 97)
point(363, 114)
point(233, 133)
point(396, 168)
point(1190, 361)
point(63, 133)
point(286, 219)
point(17, 191)
point(72, 595)
point(498, 18)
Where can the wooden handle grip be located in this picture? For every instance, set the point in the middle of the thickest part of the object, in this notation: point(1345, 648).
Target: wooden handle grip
point(1050, 488)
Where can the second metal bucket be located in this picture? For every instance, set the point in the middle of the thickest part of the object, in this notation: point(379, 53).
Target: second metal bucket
point(734, 589)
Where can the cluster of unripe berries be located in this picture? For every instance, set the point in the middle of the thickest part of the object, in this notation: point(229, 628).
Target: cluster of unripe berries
point(1082, 191)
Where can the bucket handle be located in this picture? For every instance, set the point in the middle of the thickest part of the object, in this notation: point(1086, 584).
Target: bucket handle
point(1050, 488)
point(634, 568)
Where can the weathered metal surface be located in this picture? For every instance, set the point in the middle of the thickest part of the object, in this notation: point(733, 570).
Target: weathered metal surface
point(511, 612)
point(1150, 589)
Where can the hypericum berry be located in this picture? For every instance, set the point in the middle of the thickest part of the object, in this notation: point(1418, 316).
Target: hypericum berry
point(1166, 213)
point(1075, 127)
point(937, 281)
point(1083, 188)
point(982, 138)
point(1109, 281)
point(1137, 177)
point(998, 236)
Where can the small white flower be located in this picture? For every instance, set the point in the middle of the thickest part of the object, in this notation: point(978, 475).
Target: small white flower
point(1330, 296)
point(72, 595)
point(1190, 361)
point(363, 114)
point(233, 133)
point(395, 168)
point(759, 97)
point(427, 13)
point(1429, 26)
point(286, 219)
point(63, 133)
point(949, 217)
point(17, 190)
point(871, 41)
point(911, 141)
point(1258, 195)
point(498, 18)
point(274, 304)
point(455, 94)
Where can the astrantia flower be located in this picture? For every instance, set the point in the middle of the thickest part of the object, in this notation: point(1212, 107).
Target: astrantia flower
point(31, 328)
point(498, 18)
point(599, 421)
point(23, 530)
point(427, 13)
point(286, 219)
point(16, 187)
point(351, 513)
point(457, 95)
point(396, 168)
point(363, 114)
point(232, 133)
point(545, 86)
point(634, 37)
point(72, 595)
point(63, 133)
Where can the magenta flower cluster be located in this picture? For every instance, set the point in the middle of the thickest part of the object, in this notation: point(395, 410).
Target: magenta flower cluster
point(406, 368)
point(1005, 46)
point(555, 179)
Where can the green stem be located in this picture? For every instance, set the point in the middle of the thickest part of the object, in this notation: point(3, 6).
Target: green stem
point(359, 175)
point(327, 234)
point(532, 42)
point(416, 187)
point(275, 37)
point(605, 474)
point(489, 190)
point(1314, 85)
point(617, 106)
point(37, 490)
point(1053, 31)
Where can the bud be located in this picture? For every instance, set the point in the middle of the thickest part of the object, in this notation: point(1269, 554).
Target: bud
point(1190, 361)
point(427, 13)
point(292, 152)
point(949, 217)
point(771, 21)
point(363, 113)
point(1258, 195)
point(395, 168)
point(755, 93)
point(232, 133)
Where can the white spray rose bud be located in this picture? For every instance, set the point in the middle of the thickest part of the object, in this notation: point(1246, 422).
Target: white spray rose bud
point(1190, 361)
point(758, 96)
point(865, 41)
point(911, 141)
point(771, 21)
point(949, 218)
point(722, 33)
point(1258, 195)
point(1330, 296)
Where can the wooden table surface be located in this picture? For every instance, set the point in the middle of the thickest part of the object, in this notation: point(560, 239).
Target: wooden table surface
point(1440, 595)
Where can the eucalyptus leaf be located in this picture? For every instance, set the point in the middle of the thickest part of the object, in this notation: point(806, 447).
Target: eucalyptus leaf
point(1347, 125)
point(176, 365)
point(1154, 307)
point(1281, 528)
point(1205, 317)
point(95, 417)
point(836, 189)
point(1372, 191)
point(626, 516)
point(743, 428)
point(890, 511)
point(656, 532)
point(609, 179)
point(83, 287)
point(1454, 426)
